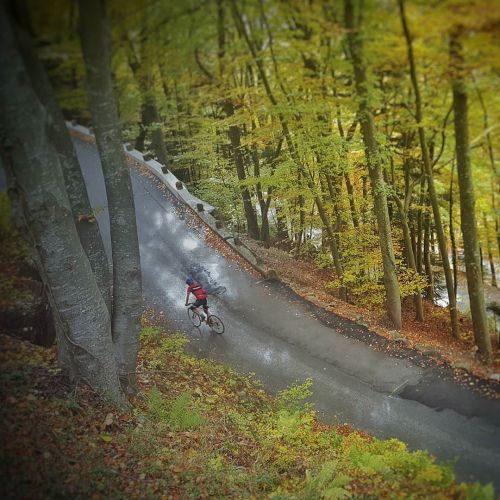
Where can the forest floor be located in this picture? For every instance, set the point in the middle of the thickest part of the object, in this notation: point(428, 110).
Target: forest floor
point(197, 430)
point(430, 336)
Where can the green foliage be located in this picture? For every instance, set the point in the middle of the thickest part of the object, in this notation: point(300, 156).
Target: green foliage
point(328, 483)
point(292, 399)
point(151, 334)
point(476, 491)
point(178, 415)
point(363, 270)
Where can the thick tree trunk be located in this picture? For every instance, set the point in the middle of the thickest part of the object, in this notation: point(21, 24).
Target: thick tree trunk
point(443, 248)
point(34, 168)
point(127, 287)
point(86, 224)
point(374, 164)
point(473, 265)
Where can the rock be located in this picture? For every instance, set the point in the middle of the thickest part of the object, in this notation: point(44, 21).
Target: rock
point(403, 341)
point(427, 349)
point(461, 365)
point(495, 376)
point(394, 334)
point(358, 317)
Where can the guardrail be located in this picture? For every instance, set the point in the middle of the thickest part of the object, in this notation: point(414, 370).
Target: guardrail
point(202, 209)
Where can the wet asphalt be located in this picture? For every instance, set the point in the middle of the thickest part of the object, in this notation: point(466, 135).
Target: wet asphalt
point(283, 339)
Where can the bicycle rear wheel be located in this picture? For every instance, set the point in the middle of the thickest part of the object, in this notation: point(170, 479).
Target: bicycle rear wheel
point(194, 318)
point(215, 323)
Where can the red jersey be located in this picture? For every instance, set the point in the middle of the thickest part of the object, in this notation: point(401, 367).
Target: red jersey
point(197, 290)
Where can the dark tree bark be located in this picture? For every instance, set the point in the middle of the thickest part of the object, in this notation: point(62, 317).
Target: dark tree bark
point(86, 224)
point(37, 188)
point(473, 265)
point(441, 236)
point(239, 163)
point(454, 259)
point(372, 150)
point(150, 117)
point(127, 287)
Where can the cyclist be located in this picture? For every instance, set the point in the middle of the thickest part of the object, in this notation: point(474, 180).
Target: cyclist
point(200, 294)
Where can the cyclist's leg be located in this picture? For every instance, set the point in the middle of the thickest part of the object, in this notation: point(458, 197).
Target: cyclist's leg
point(196, 307)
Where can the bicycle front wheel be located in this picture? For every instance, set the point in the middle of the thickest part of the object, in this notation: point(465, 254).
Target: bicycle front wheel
point(194, 318)
point(215, 323)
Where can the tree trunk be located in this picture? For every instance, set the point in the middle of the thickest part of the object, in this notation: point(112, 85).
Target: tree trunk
point(127, 287)
point(350, 195)
point(34, 169)
point(410, 256)
point(264, 204)
point(86, 225)
point(473, 265)
point(372, 152)
point(454, 259)
point(490, 253)
point(427, 258)
point(249, 209)
point(443, 249)
point(302, 173)
point(495, 178)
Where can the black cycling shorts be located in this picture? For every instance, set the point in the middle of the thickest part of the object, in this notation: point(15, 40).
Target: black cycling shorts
point(201, 302)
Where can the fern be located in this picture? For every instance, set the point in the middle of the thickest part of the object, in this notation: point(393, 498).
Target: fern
point(326, 484)
point(179, 415)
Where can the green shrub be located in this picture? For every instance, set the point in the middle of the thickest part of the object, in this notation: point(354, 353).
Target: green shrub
point(292, 398)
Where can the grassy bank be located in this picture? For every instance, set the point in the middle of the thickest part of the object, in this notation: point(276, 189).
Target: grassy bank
point(198, 430)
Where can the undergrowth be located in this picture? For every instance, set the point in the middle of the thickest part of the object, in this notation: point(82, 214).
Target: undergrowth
point(198, 430)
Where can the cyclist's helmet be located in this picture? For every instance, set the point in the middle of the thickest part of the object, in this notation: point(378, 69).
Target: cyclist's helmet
point(189, 281)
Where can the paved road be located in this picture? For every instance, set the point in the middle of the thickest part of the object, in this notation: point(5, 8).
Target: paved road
point(284, 339)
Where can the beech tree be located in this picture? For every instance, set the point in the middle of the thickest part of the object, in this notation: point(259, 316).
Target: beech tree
point(33, 165)
point(473, 264)
point(335, 144)
point(127, 285)
point(374, 160)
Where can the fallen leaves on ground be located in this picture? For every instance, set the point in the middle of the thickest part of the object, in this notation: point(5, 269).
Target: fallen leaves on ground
point(432, 335)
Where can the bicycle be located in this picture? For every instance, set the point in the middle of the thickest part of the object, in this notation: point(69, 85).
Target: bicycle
point(213, 321)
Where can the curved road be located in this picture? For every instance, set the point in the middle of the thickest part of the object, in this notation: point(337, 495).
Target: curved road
point(284, 339)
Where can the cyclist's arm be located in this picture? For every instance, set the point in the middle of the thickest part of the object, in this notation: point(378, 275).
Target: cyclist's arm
point(187, 295)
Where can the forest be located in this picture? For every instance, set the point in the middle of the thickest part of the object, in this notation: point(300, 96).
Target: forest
point(361, 134)
point(357, 136)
